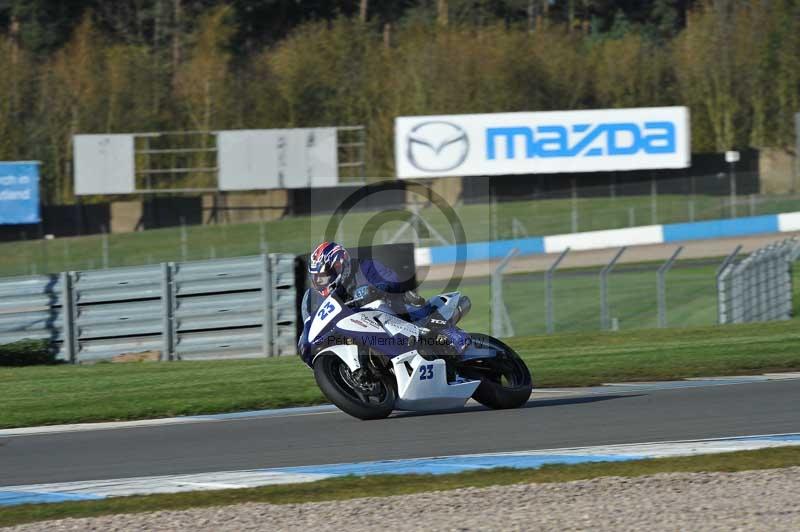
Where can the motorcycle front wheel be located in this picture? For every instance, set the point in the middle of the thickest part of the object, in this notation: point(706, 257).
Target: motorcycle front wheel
point(359, 394)
point(505, 379)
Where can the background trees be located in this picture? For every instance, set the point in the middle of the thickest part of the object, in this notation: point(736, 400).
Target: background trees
point(95, 66)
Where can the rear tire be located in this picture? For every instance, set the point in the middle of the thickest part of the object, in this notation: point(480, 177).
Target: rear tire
point(337, 383)
point(505, 379)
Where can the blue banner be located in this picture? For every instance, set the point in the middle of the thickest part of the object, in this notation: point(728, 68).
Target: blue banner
point(19, 193)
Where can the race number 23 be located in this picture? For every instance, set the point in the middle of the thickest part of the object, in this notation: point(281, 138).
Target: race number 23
point(324, 311)
point(426, 372)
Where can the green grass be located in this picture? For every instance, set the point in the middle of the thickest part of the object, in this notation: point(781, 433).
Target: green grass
point(386, 485)
point(481, 222)
point(68, 394)
point(585, 359)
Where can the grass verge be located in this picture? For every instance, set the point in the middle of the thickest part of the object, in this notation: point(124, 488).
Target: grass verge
point(69, 394)
point(386, 485)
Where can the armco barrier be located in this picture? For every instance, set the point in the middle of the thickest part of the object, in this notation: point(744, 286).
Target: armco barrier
point(630, 236)
point(227, 308)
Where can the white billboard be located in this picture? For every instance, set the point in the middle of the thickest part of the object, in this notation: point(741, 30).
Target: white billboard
point(104, 164)
point(258, 159)
point(542, 142)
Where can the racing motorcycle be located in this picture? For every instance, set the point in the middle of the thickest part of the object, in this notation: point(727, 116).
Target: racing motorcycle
point(369, 360)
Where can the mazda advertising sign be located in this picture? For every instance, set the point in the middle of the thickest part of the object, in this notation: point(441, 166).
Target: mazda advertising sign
point(542, 142)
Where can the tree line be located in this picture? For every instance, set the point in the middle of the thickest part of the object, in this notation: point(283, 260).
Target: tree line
point(153, 65)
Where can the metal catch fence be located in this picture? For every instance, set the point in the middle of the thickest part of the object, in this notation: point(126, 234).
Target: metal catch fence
point(228, 308)
point(760, 287)
point(620, 295)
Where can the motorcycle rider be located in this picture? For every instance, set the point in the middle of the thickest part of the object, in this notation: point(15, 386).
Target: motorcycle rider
point(357, 282)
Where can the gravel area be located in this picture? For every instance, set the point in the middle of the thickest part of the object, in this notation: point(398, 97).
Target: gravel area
point(752, 500)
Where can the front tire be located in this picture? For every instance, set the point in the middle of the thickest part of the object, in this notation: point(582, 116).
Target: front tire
point(361, 398)
point(505, 379)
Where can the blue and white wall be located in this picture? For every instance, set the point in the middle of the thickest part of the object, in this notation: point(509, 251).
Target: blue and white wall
point(632, 236)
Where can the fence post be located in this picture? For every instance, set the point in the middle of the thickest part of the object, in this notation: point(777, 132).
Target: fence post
point(661, 285)
point(493, 220)
point(781, 266)
point(781, 287)
point(340, 234)
point(750, 288)
point(605, 322)
point(724, 313)
point(67, 258)
point(184, 240)
point(791, 257)
point(574, 214)
point(548, 292)
point(45, 255)
point(262, 237)
point(653, 200)
point(167, 312)
point(772, 296)
point(266, 289)
point(68, 312)
point(757, 285)
point(501, 322)
point(104, 246)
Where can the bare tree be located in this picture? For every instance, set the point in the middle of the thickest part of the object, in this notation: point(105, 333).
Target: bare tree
point(362, 10)
point(441, 12)
point(531, 15)
point(387, 35)
point(176, 38)
point(570, 15)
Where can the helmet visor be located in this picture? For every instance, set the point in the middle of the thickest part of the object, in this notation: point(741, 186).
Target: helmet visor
point(321, 281)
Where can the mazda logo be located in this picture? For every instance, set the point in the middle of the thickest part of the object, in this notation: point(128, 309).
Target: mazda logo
point(437, 146)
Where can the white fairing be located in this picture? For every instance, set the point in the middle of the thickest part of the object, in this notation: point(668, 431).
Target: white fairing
point(361, 322)
point(348, 354)
point(328, 310)
point(395, 326)
point(426, 388)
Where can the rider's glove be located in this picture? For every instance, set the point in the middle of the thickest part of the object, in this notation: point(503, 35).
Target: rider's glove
point(457, 338)
point(413, 298)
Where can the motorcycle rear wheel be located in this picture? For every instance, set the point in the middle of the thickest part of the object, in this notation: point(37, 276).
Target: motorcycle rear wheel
point(505, 379)
point(373, 400)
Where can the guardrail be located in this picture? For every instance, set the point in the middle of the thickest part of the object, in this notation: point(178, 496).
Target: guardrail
point(226, 308)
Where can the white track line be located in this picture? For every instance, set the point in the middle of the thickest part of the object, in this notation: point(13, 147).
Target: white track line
point(10, 495)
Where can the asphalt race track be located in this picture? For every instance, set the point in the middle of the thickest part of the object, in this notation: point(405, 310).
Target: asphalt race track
point(550, 420)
